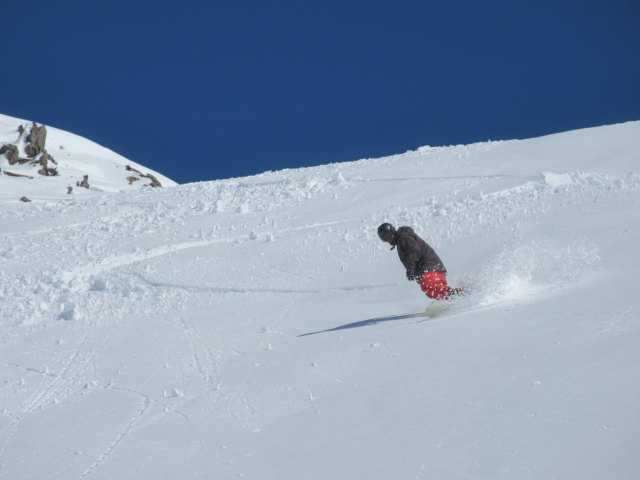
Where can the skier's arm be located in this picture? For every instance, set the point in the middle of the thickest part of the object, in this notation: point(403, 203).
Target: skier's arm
point(410, 247)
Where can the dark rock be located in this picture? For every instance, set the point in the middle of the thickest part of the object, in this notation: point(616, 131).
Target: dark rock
point(44, 161)
point(36, 140)
point(11, 174)
point(84, 183)
point(24, 199)
point(11, 152)
point(154, 181)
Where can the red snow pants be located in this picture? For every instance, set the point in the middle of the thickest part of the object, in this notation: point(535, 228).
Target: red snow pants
point(434, 285)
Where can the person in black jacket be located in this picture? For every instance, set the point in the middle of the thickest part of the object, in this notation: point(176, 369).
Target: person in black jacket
point(420, 260)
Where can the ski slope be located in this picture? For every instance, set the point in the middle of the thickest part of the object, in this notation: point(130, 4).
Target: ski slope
point(257, 328)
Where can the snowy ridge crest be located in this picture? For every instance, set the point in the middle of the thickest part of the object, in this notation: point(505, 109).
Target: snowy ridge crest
point(39, 162)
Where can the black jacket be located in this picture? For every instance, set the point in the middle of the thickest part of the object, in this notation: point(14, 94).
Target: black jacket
point(415, 254)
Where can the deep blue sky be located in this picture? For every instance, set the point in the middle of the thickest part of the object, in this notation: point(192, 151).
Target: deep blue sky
point(200, 90)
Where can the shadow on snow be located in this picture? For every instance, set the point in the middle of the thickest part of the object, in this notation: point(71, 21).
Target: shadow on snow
point(366, 323)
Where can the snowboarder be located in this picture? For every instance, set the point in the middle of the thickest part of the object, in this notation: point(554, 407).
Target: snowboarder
point(422, 263)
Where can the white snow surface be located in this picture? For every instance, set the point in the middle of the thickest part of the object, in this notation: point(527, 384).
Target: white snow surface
point(257, 327)
point(75, 157)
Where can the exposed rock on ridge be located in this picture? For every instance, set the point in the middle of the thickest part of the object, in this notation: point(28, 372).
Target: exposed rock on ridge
point(34, 145)
point(25, 157)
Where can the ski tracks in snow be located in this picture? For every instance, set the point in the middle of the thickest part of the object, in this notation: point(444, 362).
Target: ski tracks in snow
point(205, 363)
point(67, 382)
point(111, 447)
point(84, 272)
point(55, 385)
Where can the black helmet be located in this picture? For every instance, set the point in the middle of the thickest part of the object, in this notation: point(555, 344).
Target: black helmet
point(385, 231)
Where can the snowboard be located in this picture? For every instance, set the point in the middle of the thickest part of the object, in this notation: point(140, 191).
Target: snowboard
point(437, 307)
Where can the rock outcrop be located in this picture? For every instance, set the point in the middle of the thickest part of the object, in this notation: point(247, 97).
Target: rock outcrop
point(84, 183)
point(34, 146)
point(154, 181)
point(11, 152)
point(27, 157)
point(36, 140)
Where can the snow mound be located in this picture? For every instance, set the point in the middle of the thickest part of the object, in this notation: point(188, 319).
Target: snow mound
point(45, 163)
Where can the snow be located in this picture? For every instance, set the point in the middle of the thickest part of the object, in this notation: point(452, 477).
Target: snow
point(75, 157)
point(257, 328)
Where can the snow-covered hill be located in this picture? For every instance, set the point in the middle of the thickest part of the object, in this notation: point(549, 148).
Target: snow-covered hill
point(38, 162)
point(257, 327)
